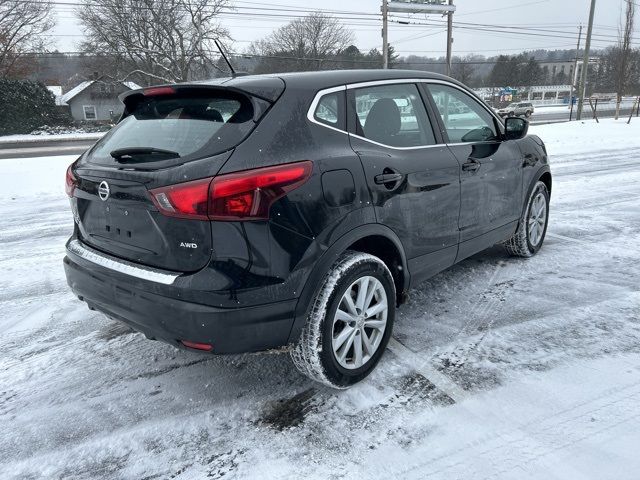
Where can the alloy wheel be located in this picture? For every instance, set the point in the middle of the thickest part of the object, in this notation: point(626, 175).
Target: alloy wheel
point(537, 218)
point(359, 322)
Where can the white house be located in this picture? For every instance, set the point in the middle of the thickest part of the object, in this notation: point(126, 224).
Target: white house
point(96, 100)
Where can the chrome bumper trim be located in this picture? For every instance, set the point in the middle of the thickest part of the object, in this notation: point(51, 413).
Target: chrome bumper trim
point(121, 266)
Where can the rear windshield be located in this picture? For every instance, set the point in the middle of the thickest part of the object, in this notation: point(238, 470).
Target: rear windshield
point(180, 126)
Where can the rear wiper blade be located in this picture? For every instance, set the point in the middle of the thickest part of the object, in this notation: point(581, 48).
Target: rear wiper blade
point(130, 153)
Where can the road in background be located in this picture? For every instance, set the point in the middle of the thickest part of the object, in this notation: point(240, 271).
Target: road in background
point(43, 148)
point(542, 116)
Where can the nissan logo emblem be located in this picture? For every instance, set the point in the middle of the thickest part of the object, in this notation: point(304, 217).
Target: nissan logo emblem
point(103, 191)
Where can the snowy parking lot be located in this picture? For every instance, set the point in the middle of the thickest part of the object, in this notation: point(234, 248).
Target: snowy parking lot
point(499, 368)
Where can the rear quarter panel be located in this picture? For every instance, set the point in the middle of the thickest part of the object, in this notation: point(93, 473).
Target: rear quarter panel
point(280, 253)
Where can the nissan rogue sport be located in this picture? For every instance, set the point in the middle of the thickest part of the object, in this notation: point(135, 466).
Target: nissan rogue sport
point(297, 210)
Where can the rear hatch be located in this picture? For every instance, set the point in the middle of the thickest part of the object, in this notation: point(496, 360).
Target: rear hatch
point(168, 135)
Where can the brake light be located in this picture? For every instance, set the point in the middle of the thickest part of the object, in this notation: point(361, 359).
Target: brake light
point(184, 200)
point(156, 91)
point(70, 182)
point(246, 195)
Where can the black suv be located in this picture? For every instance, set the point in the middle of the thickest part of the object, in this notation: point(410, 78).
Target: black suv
point(296, 210)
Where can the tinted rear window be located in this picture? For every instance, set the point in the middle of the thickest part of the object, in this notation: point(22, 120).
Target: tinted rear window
point(193, 125)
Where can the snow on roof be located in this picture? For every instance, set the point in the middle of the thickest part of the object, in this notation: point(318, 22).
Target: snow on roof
point(55, 89)
point(75, 91)
point(57, 93)
point(131, 85)
point(84, 85)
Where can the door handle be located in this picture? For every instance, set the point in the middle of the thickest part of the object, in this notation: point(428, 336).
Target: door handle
point(387, 179)
point(471, 165)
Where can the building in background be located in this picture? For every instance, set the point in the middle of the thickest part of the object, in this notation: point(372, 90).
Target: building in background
point(96, 100)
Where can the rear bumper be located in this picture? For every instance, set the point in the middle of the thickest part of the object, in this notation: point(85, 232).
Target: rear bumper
point(164, 314)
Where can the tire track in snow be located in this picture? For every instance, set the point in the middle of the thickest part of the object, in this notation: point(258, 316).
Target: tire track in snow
point(547, 433)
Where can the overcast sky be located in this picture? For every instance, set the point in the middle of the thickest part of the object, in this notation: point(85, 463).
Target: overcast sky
point(562, 15)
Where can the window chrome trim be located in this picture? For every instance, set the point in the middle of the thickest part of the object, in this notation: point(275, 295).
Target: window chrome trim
point(314, 105)
point(122, 266)
point(373, 83)
point(419, 147)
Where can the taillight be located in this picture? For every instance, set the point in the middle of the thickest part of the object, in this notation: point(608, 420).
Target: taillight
point(246, 195)
point(70, 182)
point(185, 200)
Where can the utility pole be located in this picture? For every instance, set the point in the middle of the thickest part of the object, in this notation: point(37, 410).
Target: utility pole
point(385, 35)
point(574, 77)
point(585, 63)
point(449, 38)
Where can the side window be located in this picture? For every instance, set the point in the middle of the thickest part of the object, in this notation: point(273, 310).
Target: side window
point(464, 118)
point(330, 110)
point(393, 115)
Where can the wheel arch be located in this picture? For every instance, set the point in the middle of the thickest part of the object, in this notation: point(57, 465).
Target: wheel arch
point(546, 179)
point(375, 239)
point(543, 174)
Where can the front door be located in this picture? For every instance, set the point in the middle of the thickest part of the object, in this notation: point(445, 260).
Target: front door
point(413, 178)
point(490, 168)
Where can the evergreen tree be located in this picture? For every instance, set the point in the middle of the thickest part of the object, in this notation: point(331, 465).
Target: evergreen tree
point(26, 106)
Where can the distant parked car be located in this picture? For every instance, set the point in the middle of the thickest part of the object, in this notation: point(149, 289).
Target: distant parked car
point(516, 110)
point(296, 210)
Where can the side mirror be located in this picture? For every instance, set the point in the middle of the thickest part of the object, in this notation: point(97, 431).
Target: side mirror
point(515, 128)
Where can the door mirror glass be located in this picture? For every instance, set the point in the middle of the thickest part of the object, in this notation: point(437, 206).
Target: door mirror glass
point(515, 128)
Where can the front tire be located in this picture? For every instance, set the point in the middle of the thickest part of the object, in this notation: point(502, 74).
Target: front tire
point(532, 228)
point(350, 322)
point(527, 114)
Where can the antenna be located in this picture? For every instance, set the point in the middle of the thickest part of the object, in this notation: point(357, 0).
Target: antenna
point(224, 55)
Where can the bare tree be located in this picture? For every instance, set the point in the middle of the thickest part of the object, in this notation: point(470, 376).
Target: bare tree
point(623, 62)
point(304, 44)
point(463, 70)
point(154, 40)
point(22, 26)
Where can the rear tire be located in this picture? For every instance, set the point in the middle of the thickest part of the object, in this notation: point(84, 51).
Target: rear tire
point(347, 331)
point(532, 227)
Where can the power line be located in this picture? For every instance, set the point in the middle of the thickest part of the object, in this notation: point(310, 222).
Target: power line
point(271, 12)
point(265, 12)
point(215, 54)
point(517, 30)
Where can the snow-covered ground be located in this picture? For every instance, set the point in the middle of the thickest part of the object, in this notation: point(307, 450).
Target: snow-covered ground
point(499, 368)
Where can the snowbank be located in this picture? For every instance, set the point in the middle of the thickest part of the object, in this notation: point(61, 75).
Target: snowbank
point(588, 135)
point(32, 177)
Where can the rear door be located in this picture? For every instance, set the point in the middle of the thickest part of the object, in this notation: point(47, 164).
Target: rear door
point(168, 136)
point(490, 173)
point(413, 178)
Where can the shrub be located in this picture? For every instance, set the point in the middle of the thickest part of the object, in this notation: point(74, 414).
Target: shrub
point(26, 106)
